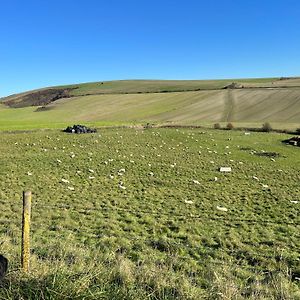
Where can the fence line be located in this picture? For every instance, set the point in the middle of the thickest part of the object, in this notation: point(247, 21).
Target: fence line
point(172, 215)
point(207, 260)
point(155, 244)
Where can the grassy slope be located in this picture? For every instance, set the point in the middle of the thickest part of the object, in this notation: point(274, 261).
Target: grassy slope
point(102, 242)
point(116, 103)
point(280, 107)
point(151, 86)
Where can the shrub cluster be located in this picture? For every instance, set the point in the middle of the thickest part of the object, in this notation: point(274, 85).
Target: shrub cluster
point(266, 127)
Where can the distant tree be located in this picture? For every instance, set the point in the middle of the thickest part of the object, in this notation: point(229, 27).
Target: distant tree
point(229, 126)
point(298, 131)
point(266, 127)
point(217, 126)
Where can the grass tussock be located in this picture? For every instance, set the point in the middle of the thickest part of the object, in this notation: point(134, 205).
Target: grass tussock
point(117, 277)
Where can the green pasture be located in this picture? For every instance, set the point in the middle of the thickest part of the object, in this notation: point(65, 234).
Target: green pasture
point(146, 214)
point(154, 86)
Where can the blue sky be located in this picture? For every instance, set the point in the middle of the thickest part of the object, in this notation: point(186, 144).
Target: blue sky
point(46, 43)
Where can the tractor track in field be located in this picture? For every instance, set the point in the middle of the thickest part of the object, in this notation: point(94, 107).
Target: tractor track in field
point(229, 105)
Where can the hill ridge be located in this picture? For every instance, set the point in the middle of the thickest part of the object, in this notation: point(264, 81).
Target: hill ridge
point(252, 102)
point(45, 96)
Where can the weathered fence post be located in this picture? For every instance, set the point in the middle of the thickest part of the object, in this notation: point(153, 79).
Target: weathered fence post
point(25, 255)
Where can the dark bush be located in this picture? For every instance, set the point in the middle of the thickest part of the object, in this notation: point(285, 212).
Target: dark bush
point(266, 127)
point(229, 126)
point(217, 126)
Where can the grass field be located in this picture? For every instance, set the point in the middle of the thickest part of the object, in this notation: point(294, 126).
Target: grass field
point(145, 214)
point(183, 102)
point(281, 107)
point(153, 86)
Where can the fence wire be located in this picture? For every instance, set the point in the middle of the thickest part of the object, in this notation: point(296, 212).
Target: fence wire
point(208, 216)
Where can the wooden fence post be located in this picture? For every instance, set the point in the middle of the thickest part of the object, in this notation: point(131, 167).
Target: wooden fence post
point(25, 255)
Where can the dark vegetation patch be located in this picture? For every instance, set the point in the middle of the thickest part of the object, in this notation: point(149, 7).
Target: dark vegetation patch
point(246, 149)
point(268, 154)
point(233, 85)
point(39, 98)
point(44, 108)
point(260, 153)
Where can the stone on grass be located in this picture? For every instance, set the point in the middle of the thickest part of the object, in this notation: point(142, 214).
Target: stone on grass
point(222, 208)
point(225, 169)
point(188, 202)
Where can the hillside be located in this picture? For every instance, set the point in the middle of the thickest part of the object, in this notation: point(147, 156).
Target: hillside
point(247, 101)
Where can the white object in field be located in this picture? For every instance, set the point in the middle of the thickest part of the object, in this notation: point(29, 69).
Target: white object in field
point(188, 201)
point(196, 181)
point(225, 169)
point(65, 180)
point(222, 208)
point(295, 202)
point(247, 133)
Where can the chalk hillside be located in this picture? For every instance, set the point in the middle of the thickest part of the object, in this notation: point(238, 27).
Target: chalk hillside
point(186, 102)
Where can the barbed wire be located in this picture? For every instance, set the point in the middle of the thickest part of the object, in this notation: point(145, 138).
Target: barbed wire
point(171, 215)
point(236, 257)
point(241, 254)
point(170, 242)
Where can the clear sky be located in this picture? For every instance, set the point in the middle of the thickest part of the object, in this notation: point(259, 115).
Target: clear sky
point(46, 43)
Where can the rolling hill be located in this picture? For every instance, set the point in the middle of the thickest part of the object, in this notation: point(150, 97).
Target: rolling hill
point(244, 102)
